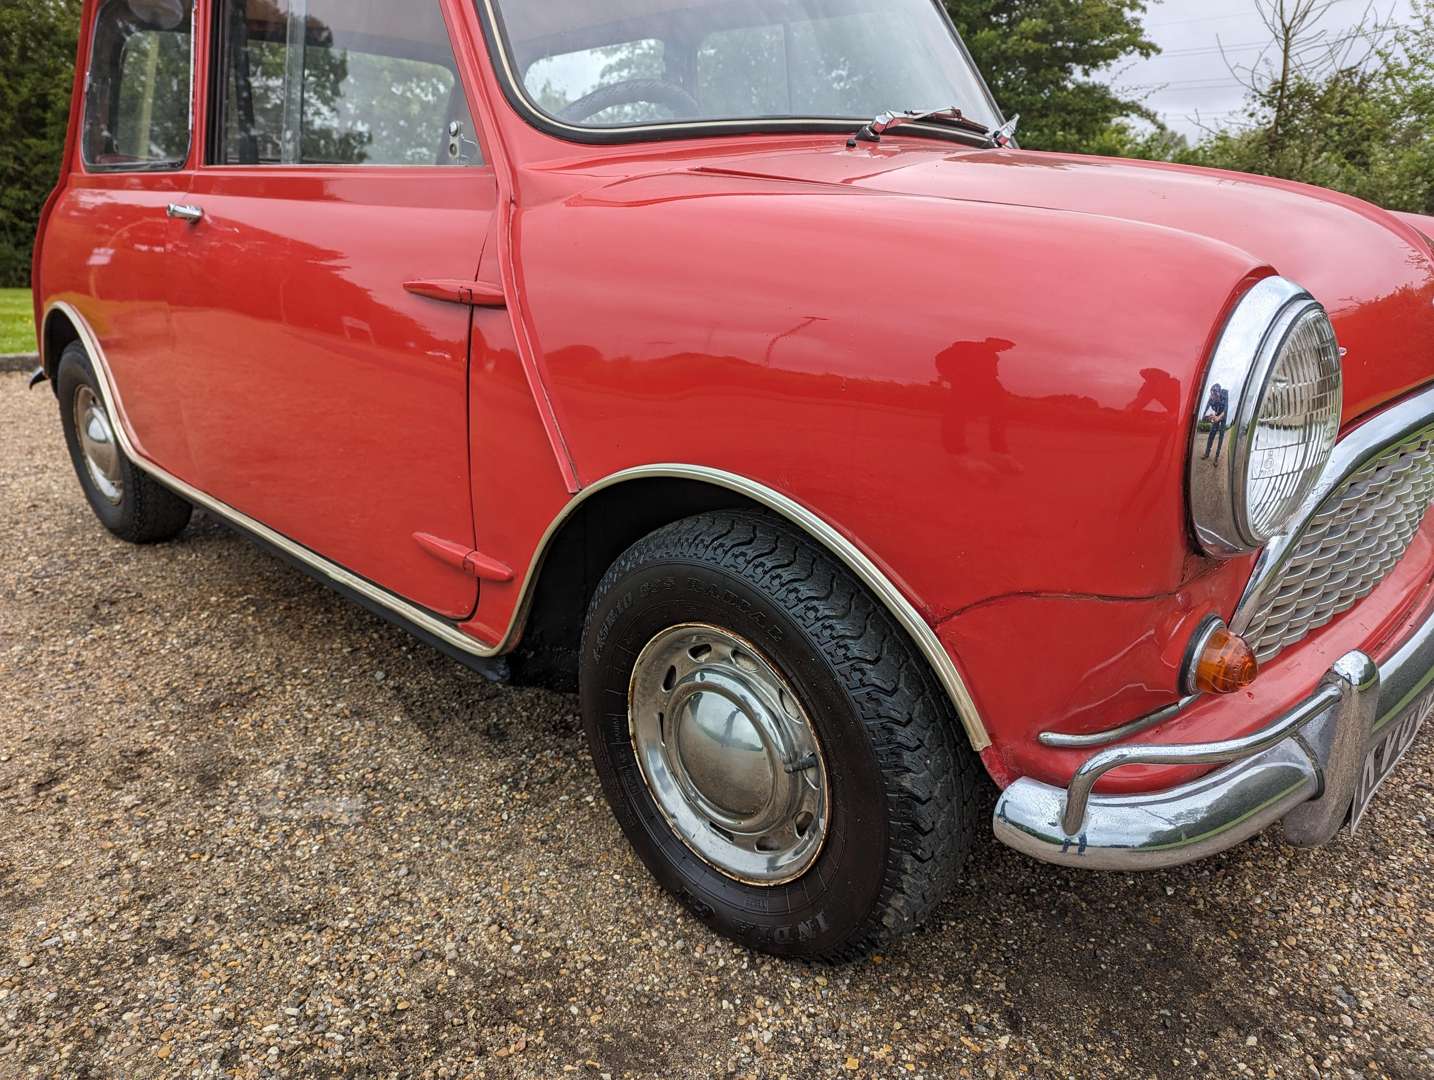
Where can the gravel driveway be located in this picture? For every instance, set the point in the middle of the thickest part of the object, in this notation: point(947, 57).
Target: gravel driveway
point(249, 830)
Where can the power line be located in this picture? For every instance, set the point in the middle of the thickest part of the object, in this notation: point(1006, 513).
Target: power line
point(1356, 34)
point(1206, 50)
point(1205, 83)
point(1219, 18)
point(1317, 43)
point(1198, 19)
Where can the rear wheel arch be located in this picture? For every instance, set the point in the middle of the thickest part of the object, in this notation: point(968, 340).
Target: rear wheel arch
point(58, 333)
point(128, 501)
point(617, 512)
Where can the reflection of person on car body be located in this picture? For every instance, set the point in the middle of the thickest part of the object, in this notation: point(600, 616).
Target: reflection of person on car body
point(1216, 413)
point(972, 370)
point(1156, 388)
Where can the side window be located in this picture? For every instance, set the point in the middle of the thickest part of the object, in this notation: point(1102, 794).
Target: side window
point(137, 102)
point(338, 82)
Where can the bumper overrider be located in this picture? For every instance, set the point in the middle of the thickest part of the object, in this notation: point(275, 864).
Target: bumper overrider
point(1313, 768)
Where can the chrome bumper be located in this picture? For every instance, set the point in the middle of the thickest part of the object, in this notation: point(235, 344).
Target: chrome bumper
point(1302, 769)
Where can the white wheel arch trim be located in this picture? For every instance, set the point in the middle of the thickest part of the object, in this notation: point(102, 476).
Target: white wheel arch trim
point(855, 560)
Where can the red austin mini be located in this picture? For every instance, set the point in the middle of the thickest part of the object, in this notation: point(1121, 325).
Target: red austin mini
point(843, 455)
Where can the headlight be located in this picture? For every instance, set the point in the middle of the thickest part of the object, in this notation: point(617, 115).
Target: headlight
point(1267, 418)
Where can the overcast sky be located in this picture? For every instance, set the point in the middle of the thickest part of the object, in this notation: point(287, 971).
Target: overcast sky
point(1191, 79)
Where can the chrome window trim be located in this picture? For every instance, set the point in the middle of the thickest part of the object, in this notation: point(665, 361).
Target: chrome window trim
point(1351, 454)
point(194, 89)
point(896, 603)
point(179, 165)
point(291, 129)
point(1248, 348)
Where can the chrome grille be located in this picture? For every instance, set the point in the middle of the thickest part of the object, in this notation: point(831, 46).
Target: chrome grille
point(1345, 549)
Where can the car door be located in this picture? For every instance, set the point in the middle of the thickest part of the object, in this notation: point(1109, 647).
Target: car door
point(322, 397)
point(109, 229)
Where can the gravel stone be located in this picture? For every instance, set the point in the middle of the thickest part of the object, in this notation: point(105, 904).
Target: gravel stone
point(208, 797)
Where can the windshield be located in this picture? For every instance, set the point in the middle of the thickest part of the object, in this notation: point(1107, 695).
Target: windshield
point(643, 64)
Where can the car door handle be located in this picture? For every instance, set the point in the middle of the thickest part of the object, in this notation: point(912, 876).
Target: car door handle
point(184, 212)
point(456, 291)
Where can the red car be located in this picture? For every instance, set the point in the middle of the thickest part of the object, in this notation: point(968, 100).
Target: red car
point(728, 359)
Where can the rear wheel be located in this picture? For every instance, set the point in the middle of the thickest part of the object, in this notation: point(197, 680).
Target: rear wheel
point(127, 501)
point(775, 749)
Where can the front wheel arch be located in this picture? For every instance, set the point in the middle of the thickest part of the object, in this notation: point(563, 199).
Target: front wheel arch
point(614, 513)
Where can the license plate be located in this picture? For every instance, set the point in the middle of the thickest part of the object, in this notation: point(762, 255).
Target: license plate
point(1385, 754)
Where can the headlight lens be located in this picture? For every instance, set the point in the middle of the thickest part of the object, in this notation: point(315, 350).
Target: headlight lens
point(1295, 426)
point(1267, 419)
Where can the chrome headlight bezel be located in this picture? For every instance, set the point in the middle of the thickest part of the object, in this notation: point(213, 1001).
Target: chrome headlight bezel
point(1244, 363)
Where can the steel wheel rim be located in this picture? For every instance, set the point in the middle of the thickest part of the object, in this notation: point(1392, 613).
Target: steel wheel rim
point(98, 445)
point(728, 754)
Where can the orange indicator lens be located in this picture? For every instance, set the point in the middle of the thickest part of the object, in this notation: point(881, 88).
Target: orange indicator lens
point(1226, 664)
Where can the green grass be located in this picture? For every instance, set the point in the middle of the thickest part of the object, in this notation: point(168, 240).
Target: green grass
point(17, 322)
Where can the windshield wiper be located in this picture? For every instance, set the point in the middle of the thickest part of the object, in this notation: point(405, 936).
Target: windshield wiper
point(1002, 136)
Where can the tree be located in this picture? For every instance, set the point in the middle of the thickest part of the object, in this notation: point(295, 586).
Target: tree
point(1040, 57)
point(1354, 113)
point(37, 58)
point(1301, 51)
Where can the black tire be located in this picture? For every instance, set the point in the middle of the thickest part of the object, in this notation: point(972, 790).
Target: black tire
point(904, 784)
point(145, 512)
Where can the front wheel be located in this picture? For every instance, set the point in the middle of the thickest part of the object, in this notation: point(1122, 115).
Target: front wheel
point(773, 746)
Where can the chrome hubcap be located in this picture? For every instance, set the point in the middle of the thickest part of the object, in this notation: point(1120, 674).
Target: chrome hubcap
point(728, 754)
point(97, 440)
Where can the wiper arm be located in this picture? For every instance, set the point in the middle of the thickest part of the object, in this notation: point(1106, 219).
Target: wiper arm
point(880, 125)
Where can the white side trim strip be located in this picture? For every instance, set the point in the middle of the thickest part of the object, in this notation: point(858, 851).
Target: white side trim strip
point(855, 560)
